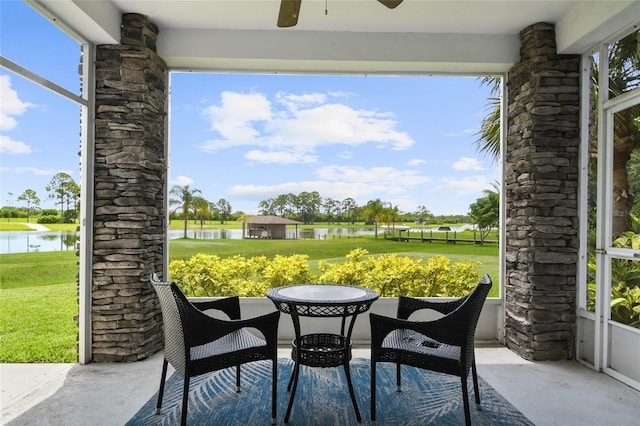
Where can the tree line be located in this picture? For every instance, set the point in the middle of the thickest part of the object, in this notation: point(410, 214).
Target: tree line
point(62, 189)
point(307, 207)
point(311, 207)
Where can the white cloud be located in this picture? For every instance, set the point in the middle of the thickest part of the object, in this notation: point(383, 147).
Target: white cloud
point(33, 170)
point(466, 186)
point(10, 104)
point(295, 102)
point(182, 180)
point(305, 123)
point(385, 176)
point(234, 119)
point(9, 146)
point(415, 162)
point(467, 163)
point(280, 157)
point(39, 172)
point(335, 190)
point(339, 182)
point(463, 132)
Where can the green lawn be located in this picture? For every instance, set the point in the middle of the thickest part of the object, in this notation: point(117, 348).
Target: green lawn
point(37, 307)
point(38, 291)
point(5, 226)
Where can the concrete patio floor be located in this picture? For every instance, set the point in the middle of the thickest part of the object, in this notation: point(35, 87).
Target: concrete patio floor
point(548, 393)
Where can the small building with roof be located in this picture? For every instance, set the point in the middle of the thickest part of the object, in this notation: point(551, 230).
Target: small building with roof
point(267, 226)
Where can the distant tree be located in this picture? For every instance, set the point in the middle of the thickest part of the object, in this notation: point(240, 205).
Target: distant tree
point(63, 189)
point(184, 201)
point(485, 213)
point(349, 207)
point(266, 207)
point(202, 209)
point(331, 208)
point(73, 201)
point(224, 209)
point(239, 215)
point(308, 204)
point(372, 210)
point(423, 214)
point(389, 215)
point(10, 194)
point(287, 204)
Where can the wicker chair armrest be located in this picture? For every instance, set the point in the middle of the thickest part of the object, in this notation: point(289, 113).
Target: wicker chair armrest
point(448, 329)
point(409, 305)
point(229, 305)
point(207, 329)
point(267, 324)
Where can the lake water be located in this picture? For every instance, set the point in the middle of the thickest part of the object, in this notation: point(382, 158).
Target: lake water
point(33, 241)
point(292, 233)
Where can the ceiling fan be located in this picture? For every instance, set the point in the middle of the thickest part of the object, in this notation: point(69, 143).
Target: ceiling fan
point(290, 9)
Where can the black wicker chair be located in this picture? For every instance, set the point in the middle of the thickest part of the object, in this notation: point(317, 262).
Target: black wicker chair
point(444, 345)
point(196, 343)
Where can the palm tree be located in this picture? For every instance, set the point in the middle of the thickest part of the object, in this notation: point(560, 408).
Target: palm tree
point(372, 210)
point(624, 76)
point(488, 142)
point(184, 201)
point(201, 207)
point(624, 63)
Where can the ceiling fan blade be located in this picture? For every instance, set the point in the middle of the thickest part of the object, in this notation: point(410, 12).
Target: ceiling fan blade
point(289, 11)
point(391, 4)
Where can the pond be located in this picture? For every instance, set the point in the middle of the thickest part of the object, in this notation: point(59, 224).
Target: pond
point(291, 233)
point(34, 241)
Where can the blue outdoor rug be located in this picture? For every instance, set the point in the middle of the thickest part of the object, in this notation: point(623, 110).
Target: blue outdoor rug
point(322, 398)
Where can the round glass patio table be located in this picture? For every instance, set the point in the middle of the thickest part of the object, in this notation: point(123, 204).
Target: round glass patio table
point(322, 349)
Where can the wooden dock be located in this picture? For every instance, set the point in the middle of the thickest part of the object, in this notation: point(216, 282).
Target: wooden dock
point(450, 237)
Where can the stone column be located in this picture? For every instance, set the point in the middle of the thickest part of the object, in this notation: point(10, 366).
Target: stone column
point(130, 170)
point(541, 184)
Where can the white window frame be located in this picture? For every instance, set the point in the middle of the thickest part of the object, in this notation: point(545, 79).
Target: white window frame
point(86, 101)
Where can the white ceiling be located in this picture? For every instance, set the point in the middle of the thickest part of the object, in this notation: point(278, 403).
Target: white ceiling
point(362, 36)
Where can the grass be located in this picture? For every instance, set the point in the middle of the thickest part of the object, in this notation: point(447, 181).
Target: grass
point(35, 270)
point(19, 224)
point(14, 227)
point(38, 290)
point(37, 324)
point(37, 307)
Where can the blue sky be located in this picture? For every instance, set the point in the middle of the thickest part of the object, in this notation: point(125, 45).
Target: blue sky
point(245, 138)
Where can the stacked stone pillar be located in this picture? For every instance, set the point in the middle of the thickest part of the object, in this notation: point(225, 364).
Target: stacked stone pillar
point(130, 175)
point(541, 187)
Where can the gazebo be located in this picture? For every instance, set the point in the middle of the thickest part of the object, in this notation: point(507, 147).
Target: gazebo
point(267, 226)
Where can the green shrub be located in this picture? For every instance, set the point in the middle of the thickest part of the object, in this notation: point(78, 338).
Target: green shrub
point(287, 270)
point(49, 219)
point(209, 275)
point(625, 281)
point(389, 275)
